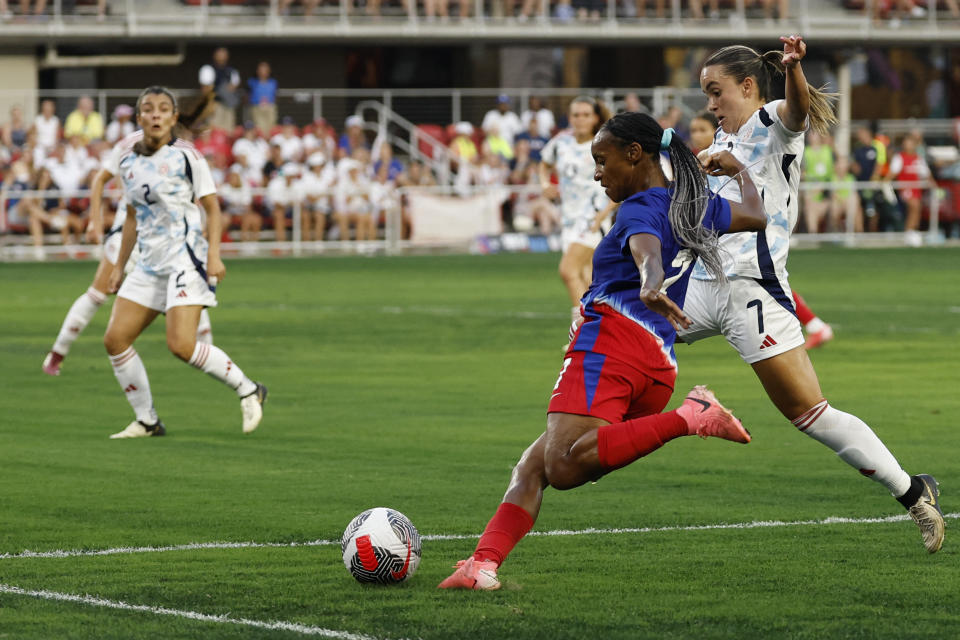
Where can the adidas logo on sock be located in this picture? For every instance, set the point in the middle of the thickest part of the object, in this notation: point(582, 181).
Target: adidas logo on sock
point(767, 342)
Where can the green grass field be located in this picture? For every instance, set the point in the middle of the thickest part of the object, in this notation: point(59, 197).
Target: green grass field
point(415, 383)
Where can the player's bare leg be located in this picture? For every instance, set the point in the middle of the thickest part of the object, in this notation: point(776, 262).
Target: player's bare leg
point(791, 383)
point(78, 317)
point(127, 321)
point(182, 341)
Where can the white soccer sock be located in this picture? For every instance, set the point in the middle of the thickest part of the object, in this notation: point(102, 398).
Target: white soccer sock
point(814, 325)
point(132, 376)
point(213, 361)
point(575, 313)
point(856, 444)
point(79, 316)
point(204, 332)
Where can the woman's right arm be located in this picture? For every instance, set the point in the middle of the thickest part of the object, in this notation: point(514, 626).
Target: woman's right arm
point(748, 214)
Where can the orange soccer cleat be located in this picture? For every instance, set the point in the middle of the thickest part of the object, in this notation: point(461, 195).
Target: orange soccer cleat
point(480, 575)
point(706, 417)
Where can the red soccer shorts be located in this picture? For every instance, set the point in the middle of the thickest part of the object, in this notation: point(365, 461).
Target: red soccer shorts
point(595, 383)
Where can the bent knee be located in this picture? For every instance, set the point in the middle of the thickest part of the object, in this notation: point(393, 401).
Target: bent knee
point(560, 473)
point(182, 347)
point(114, 343)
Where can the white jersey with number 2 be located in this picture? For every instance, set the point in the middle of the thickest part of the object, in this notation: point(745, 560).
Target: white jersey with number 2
point(163, 188)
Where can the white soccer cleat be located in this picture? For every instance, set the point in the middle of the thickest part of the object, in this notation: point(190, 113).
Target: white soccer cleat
point(137, 429)
point(252, 407)
point(928, 515)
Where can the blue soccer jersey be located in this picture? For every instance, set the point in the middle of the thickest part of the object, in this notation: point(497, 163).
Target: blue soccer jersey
point(616, 277)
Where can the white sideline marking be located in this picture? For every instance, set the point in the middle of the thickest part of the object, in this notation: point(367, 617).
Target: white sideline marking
point(756, 524)
point(190, 615)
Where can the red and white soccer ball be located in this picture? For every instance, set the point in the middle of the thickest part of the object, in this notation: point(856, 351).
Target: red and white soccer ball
point(381, 545)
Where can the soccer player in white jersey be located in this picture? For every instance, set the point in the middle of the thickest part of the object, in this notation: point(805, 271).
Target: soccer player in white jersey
point(583, 203)
point(177, 271)
point(753, 309)
point(86, 306)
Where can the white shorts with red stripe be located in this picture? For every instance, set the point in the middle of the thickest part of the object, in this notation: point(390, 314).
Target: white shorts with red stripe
point(160, 293)
point(756, 316)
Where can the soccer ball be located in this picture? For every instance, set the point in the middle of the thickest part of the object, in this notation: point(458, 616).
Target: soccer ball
point(381, 545)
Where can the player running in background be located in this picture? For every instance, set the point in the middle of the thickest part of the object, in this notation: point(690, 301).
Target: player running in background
point(620, 368)
point(753, 308)
point(86, 306)
point(583, 205)
point(177, 270)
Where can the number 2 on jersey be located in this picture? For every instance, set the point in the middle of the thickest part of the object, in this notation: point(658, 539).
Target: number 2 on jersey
point(146, 195)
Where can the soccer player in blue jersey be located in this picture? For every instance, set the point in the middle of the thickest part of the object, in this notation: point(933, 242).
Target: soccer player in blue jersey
point(177, 270)
point(752, 307)
point(619, 371)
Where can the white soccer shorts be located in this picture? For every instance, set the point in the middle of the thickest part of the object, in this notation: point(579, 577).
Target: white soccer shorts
point(580, 233)
point(757, 318)
point(160, 293)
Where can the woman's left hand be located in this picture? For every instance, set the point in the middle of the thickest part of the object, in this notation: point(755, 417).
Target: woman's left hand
point(794, 49)
point(666, 307)
point(215, 271)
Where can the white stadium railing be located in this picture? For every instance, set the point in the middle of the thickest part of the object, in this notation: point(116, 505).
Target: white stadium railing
point(460, 204)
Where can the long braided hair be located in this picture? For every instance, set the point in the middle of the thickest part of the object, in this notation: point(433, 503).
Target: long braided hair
point(739, 62)
point(689, 195)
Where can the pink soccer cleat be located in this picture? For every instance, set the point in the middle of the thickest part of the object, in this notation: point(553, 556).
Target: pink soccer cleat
point(706, 417)
point(819, 338)
point(480, 575)
point(51, 364)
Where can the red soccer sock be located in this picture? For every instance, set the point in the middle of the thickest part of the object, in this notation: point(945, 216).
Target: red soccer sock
point(505, 529)
point(804, 313)
point(620, 444)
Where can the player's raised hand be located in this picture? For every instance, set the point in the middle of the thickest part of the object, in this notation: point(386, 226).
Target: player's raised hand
point(722, 163)
point(660, 303)
point(794, 49)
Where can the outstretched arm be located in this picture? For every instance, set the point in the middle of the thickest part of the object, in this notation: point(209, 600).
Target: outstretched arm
point(793, 112)
point(645, 249)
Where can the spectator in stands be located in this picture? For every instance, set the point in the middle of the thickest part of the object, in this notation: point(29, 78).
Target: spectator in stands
point(696, 9)
point(237, 202)
point(463, 153)
point(282, 194)
point(531, 204)
point(817, 167)
point(844, 201)
point(352, 138)
point(526, 10)
point(23, 212)
point(703, 127)
point(67, 169)
point(47, 126)
point(352, 201)
point(546, 122)
point(263, 98)
point(271, 168)
point(283, 7)
point(288, 139)
point(908, 165)
point(869, 158)
point(783, 9)
point(535, 138)
point(591, 9)
point(13, 134)
point(631, 103)
point(319, 137)
point(250, 151)
point(394, 166)
point(122, 125)
point(564, 12)
point(495, 143)
point(226, 84)
point(642, 9)
point(417, 175)
point(84, 121)
point(316, 187)
point(384, 199)
point(506, 121)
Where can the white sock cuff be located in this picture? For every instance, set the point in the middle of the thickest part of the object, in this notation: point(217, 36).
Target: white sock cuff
point(200, 354)
point(810, 415)
point(95, 296)
point(123, 358)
